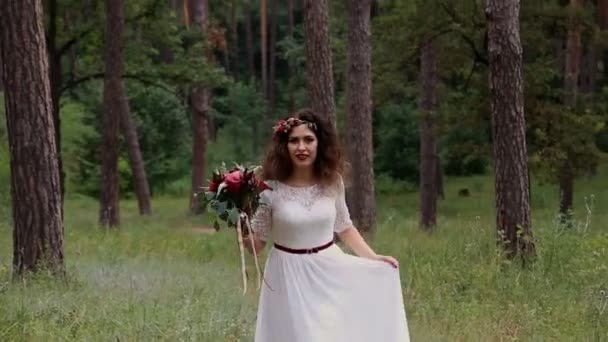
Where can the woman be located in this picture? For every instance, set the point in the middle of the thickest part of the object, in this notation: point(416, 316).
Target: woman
point(313, 291)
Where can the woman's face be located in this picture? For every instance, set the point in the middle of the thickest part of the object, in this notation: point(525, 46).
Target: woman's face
point(302, 146)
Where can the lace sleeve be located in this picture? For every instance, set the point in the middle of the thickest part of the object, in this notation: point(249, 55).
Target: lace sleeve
point(262, 218)
point(343, 220)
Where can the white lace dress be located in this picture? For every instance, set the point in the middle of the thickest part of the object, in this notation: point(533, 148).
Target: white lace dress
point(326, 296)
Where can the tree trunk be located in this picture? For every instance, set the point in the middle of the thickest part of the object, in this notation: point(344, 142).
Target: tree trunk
point(249, 38)
point(319, 70)
point(571, 78)
point(603, 14)
point(439, 174)
point(234, 23)
point(129, 131)
point(264, 50)
point(428, 135)
point(35, 180)
point(361, 199)
point(200, 103)
point(56, 81)
point(1, 77)
point(113, 95)
point(589, 69)
point(290, 66)
point(509, 128)
point(136, 161)
point(272, 58)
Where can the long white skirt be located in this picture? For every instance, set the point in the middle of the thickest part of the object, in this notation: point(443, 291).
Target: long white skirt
point(330, 296)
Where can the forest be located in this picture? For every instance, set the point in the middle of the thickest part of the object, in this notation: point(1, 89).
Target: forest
point(475, 130)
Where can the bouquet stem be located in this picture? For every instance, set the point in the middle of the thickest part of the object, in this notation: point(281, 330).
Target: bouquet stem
point(255, 253)
point(239, 234)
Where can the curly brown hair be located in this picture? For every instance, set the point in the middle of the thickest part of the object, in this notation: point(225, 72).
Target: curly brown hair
point(329, 164)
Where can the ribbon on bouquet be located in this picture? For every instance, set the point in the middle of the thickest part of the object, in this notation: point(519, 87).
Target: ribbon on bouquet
point(250, 233)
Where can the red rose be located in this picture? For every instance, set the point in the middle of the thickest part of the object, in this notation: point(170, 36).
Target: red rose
point(213, 185)
point(234, 181)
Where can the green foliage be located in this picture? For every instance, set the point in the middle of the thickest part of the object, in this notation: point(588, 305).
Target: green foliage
point(567, 138)
point(396, 140)
point(602, 140)
point(243, 130)
point(464, 153)
point(164, 138)
point(75, 136)
point(558, 136)
point(164, 134)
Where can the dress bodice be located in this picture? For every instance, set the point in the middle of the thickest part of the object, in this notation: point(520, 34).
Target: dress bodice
point(302, 217)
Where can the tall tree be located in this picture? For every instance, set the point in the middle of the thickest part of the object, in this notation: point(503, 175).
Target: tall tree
point(113, 96)
point(249, 39)
point(602, 12)
point(508, 127)
point(129, 130)
point(361, 198)
point(571, 79)
point(602, 8)
point(264, 48)
point(272, 63)
point(1, 84)
point(55, 53)
point(35, 180)
point(319, 69)
point(429, 166)
point(234, 30)
point(290, 66)
point(200, 103)
point(136, 161)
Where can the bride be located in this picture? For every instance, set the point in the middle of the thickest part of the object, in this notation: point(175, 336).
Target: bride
point(313, 291)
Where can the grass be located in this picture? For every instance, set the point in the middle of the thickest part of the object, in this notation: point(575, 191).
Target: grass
point(158, 279)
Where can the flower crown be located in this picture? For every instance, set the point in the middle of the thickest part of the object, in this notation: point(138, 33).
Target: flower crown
point(284, 126)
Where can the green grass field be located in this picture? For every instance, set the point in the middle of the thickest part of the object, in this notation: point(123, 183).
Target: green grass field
point(161, 278)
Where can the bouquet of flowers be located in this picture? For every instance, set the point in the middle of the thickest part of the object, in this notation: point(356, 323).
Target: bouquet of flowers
point(233, 197)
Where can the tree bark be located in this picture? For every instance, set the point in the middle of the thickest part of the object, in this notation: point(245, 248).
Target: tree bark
point(35, 179)
point(200, 103)
point(602, 8)
point(428, 135)
point(361, 199)
point(234, 23)
point(113, 95)
point(272, 55)
point(508, 127)
point(1, 77)
point(290, 66)
point(571, 79)
point(136, 161)
point(264, 49)
point(319, 70)
point(56, 81)
point(439, 174)
point(249, 38)
point(129, 131)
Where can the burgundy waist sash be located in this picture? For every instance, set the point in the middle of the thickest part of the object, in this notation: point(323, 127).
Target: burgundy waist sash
point(304, 250)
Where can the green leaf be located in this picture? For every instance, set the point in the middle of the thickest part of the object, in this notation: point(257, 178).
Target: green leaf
point(221, 207)
point(234, 215)
point(209, 196)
